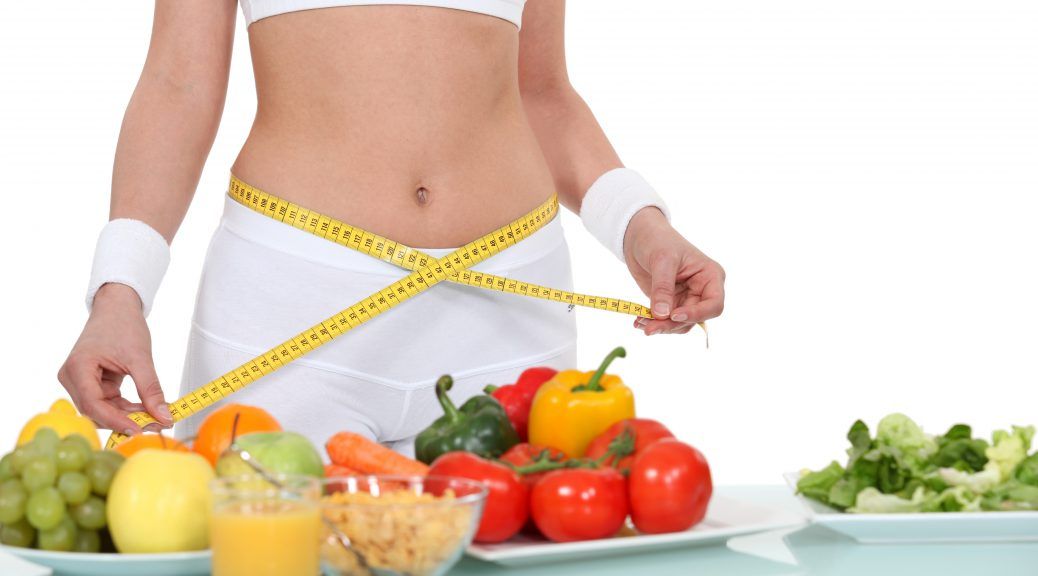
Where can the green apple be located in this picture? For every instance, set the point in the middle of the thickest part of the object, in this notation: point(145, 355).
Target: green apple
point(159, 502)
point(277, 452)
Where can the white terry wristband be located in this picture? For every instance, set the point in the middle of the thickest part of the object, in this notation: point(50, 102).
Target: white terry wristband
point(132, 253)
point(612, 201)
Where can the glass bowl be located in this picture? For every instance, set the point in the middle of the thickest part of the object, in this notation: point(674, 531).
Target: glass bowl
point(419, 526)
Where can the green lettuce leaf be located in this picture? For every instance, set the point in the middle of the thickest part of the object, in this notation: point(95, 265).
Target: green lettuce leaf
point(1012, 495)
point(872, 501)
point(909, 445)
point(860, 440)
point(845, 491)
point(1027, 471)
point(1009, 449)
point(817, 484)
point(957, 432)
point(904, 470)
point(892, 476)
point(958, 449)
point(955, 499)
point(977, 482)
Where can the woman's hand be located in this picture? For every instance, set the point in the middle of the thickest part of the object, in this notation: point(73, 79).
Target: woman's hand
point(115, 343)
point(684, 285)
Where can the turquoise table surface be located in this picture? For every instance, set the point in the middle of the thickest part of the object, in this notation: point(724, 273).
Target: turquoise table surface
point(817, 552)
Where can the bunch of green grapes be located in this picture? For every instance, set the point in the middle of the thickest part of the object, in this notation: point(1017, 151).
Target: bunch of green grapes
point(52, 493)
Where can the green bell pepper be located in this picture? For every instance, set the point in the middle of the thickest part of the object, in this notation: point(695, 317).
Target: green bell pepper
point(480, 426)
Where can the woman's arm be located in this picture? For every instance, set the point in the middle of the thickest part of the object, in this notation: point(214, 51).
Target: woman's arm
point(684, 285)
point(175, 110)
point(577, 149)
point(166, 135)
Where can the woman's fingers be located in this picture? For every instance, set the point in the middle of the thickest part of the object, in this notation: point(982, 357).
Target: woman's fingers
point(692, 309)
point(81, 376)
point(66, 382)
point(142, 370)
point(108, 416)
point(703, 303)
point(664, 280)
point(666, 327)
point(653, 327)
point(78, 375)
point(127, 406)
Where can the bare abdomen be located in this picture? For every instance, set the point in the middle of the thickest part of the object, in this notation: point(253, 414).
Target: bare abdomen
point(402, 120)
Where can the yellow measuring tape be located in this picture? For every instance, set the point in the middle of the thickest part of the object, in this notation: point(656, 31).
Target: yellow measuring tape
point(426, 272)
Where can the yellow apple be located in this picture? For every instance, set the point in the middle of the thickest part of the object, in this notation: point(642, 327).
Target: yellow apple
point(159, 502)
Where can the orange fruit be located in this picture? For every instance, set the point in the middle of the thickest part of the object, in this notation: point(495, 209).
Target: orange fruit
point(215, 433)
point(142, 441)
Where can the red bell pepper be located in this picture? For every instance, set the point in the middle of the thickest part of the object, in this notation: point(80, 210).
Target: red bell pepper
point(517, 398)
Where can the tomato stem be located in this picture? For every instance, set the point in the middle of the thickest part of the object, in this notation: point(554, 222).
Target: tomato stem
point(546, 462)
point(620, 447)
point(549, 465)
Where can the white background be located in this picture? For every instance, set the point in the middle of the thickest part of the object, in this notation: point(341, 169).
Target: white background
point(866, 172)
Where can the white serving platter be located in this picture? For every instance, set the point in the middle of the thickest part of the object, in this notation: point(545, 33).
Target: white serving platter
point(86, 564)
point(922, 528)
point(726, 517)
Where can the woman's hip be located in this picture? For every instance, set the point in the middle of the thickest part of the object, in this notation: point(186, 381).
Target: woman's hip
point(319, 400)
point(264, 281)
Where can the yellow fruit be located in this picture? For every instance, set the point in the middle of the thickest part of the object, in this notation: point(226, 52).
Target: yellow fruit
point(63, 419)
point(159, 502)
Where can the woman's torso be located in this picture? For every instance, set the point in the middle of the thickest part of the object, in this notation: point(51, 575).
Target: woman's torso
point(359, 107)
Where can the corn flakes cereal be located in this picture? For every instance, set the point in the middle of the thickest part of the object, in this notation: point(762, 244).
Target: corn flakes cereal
point(398, 530)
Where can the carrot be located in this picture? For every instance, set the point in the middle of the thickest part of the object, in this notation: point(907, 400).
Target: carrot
point(331, 470)
point(357, 452)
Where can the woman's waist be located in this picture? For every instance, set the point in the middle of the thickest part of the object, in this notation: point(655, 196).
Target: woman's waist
point(264, 280)
point(419, 190)
point(260, 234)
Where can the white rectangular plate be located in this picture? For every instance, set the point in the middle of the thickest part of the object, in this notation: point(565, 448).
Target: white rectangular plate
point(725, 518)
point(937, 527)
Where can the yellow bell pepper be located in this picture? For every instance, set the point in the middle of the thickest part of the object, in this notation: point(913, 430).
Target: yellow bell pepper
point(63, 419)
point(574, 407)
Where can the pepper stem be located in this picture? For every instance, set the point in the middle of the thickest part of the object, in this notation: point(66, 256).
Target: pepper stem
point(490, 388)
point(594, 384)
point(442, 386)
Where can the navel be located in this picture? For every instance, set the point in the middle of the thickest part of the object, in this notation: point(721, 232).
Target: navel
point(421, 196)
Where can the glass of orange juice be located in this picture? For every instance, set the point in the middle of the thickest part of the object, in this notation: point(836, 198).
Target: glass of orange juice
point(261, 529)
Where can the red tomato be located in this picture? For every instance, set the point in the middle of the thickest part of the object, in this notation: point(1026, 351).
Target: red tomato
point(669, 487)
point(579, 504)
point(525, 454)
point(645, 432)
point(508, 499)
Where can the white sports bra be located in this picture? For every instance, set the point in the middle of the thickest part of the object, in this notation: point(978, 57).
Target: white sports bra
point(511, 10)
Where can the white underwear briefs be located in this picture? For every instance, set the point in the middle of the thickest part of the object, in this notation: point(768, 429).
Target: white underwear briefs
point(264, 281)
